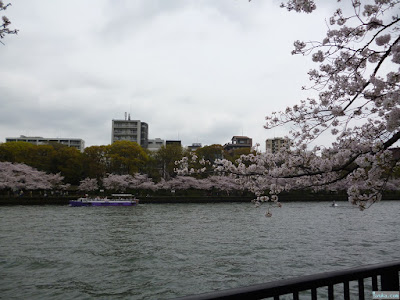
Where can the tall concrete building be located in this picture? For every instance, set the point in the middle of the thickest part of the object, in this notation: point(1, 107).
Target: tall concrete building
point(275, 144)
point(38, 140)
point(130, 130)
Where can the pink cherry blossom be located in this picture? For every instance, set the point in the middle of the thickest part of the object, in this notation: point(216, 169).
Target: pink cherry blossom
point(15, 177)
point(358, 83)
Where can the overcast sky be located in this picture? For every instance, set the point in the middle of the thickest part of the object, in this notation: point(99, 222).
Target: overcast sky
point(196, 70)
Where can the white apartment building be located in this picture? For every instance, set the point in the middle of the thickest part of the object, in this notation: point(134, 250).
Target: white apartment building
point(275, 144)
point(130, 130)
point(38, 140)
point(155, 144)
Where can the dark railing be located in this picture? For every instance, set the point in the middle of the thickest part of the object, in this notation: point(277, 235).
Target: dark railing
point(387, 272)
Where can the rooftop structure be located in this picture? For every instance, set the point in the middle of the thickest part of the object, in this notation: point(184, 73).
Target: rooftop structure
point(173, 142)
point(194, 146)
point(239, 142)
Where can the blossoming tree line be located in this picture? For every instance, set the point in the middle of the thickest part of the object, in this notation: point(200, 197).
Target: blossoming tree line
point(122, 166)
point(357, 80)
point(358, 103)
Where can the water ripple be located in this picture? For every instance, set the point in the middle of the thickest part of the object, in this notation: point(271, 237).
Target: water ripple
point(165, 251)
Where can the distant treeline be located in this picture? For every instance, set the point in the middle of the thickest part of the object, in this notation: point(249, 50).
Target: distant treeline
point(122, 157)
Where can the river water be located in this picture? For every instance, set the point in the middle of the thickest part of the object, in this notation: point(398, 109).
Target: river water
point(162, 251)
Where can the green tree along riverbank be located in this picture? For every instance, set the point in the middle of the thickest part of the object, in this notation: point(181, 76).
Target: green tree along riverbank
point(122, 157)
point(120, 167)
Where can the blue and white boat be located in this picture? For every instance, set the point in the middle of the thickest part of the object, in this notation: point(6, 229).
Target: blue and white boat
point(115, 200)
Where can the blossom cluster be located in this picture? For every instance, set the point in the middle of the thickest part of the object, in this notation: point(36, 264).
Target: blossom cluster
point(358, 104)
point(16, 177)
point(5, 23)
point(143, 182)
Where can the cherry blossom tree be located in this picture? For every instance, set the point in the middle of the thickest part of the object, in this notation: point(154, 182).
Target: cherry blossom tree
point(148, 185)
point(357, 81)
point(181, 183)
point(143, 182)
point(222, 183)
point(124, 182)
point(140, 181)
point(358, 102)
point(117, 182)
point(88, 185)
point(5, 23)
point(14, 176)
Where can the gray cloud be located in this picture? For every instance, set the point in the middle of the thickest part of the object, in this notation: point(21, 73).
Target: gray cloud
point(202, 71)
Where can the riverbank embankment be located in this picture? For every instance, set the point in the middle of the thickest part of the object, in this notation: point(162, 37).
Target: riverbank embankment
point(285, 197)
